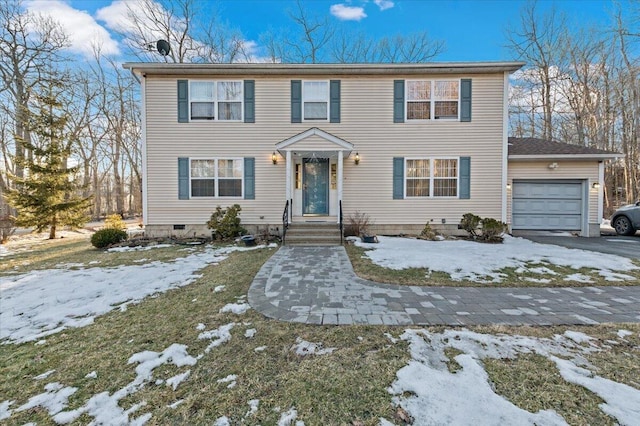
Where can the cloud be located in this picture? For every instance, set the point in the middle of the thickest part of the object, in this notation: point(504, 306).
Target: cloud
point(83, 31)
point(384, 4)
point(347, 13)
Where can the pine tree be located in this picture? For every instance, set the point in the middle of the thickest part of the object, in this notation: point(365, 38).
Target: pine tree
point(47, 195)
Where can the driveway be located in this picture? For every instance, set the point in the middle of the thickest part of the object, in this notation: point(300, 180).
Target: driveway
point(609, 244)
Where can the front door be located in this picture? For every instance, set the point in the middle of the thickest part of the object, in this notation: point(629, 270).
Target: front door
point(315, 186)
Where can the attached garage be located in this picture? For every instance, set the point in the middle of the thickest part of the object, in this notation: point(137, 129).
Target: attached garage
point(554, 186)
point(547, 205)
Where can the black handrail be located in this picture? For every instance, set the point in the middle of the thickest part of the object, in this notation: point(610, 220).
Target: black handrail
point(341, 224)
point(285, 221)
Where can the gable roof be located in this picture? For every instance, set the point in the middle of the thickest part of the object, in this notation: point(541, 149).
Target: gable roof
point(335, 143)
point(536, 148)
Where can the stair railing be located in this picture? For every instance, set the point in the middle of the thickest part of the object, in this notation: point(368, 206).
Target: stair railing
point(285, 221)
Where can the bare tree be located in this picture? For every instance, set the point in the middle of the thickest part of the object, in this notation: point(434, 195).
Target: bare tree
point(539, 42)
point(29, 51)
point(412, 48)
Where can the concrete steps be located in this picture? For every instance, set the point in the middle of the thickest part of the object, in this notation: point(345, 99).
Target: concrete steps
point(313, 234)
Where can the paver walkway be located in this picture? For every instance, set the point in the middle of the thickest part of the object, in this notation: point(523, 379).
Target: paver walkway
point(317, 285)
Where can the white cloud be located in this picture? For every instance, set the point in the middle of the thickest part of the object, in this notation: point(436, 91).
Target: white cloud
point(347, 13)
point(83, 31)
point(384, 4)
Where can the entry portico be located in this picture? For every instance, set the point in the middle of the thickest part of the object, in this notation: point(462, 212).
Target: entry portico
point(314, 174)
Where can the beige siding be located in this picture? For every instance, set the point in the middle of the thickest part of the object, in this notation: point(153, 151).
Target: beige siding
point(566, 170)
point(366, 122)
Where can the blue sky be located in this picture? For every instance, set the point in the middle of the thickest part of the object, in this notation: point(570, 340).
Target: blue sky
point(472, 30)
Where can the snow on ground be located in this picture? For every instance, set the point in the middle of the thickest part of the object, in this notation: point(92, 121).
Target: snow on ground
point(469, 260)
point(431, 394)
point(40, 303)
point(4, 251)
point(235, 308)
point(137, 248)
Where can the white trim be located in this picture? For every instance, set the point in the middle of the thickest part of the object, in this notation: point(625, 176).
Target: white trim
point(432, 178)
point(145, 184)
point(505, 146)
point(328, 99)
point(432, 101)
point(600, 192)
point(314, 131)
point(288, 191)
point(216, 100)
point(216, 178)
point(339, 181)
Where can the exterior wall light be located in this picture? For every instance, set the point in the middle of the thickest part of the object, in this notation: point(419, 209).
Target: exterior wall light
point(508, 186)
point(274, 158)
point(553, 166)
point(357, 159)
point(595, 185)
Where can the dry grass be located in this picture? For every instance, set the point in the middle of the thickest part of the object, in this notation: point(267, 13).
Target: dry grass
point(365, 268)
point(348, 386)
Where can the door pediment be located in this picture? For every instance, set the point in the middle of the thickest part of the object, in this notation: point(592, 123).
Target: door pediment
point(315, 140)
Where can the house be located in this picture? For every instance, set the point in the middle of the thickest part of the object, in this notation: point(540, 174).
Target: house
point(407, 144)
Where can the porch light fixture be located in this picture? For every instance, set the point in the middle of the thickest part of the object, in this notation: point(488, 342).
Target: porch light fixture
point(274, 158)
point(357, 159)
point(595, 185)
point(508, 186)
point(553, 166)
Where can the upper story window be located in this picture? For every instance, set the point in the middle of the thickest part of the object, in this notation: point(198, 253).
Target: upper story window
point(431, 177)
point(211, 100)
point(432, 99)
point(216, 177)
point(315, 100)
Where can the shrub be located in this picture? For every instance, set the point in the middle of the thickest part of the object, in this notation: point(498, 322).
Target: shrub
point(107, 237)
point(357, 224)
point(470, 223)
point(492, 230)
point(115, 221)
point(428, 233)
point(225, 223)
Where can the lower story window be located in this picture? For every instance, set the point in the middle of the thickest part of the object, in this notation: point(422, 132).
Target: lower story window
point(431, 177)
point(216, 177)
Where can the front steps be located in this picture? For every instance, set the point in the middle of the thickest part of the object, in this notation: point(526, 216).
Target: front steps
point(313, 234)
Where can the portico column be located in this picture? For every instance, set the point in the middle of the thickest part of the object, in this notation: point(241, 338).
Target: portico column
point(339, 178)
point(288, 178)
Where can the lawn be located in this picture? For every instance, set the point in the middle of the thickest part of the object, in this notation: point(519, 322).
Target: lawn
point(174, 358)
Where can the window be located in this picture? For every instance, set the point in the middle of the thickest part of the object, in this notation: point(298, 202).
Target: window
point(216, 177)
point(210, 99)
point(431, 177)
point(298, 176)
point(435, 100)
point(334, 176)
point(315, 100)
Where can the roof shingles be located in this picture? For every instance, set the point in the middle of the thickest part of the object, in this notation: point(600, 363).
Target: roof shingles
point(541, 147)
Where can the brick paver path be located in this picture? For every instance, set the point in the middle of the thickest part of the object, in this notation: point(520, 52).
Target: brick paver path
point(317, 285)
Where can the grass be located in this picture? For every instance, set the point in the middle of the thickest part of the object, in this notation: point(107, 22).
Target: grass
point(348, 386)
point(365, 268)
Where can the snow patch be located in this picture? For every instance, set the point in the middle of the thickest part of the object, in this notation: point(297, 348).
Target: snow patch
point(218, 336)
point(177, 379)
point(250, 333)
point(235, 308)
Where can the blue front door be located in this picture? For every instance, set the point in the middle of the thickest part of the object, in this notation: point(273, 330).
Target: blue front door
point(315, 186)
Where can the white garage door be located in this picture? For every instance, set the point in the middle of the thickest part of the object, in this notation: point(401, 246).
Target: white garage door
point(545, 205)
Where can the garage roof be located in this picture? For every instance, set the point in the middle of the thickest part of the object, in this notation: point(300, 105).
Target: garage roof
point(535, 148)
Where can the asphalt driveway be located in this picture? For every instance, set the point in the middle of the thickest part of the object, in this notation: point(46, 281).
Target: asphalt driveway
point(609, 244)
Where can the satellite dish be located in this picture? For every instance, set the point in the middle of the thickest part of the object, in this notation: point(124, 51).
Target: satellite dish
point(163, 47)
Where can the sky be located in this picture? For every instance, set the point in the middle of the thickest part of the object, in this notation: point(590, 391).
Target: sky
point(472, 30)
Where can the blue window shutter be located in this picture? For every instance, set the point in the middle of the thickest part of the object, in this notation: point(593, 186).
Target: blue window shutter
point(183, 101)
point(249, 178)
point(465, 178)
point(398, 178)
point(296, 101)
point(183, 178)
point(398, 101)
point(249, 101)
point(465, 99)
point(334, 101)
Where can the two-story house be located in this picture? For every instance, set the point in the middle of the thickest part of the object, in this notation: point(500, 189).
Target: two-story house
point(407, 144)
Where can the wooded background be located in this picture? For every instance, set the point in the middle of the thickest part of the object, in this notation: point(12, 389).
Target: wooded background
point(581, 85)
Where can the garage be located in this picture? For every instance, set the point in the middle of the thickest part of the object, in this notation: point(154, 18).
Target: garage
point(547, 205)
